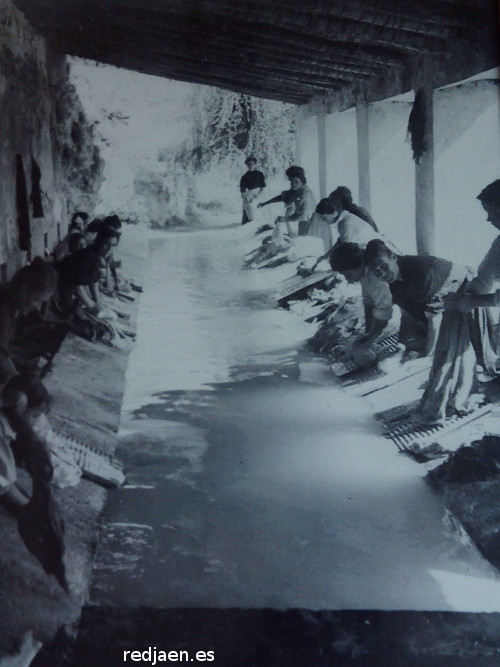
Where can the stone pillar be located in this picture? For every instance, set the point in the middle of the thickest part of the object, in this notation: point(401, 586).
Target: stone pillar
point(424, 179)
point(321, 120)
point(363, 133)
point(299, 114)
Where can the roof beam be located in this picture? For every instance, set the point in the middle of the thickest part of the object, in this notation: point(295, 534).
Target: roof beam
point(290, 89)
point(215, 22)
point(102, 32)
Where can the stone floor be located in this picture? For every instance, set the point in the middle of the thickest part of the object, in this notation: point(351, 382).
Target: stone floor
point(86, 384)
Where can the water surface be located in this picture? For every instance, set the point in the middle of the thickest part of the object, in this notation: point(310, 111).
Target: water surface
point(253, 481)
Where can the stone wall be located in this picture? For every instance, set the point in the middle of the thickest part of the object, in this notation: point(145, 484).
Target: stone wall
point(48, 163)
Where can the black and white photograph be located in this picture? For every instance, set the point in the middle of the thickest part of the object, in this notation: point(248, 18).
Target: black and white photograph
point(250, 333)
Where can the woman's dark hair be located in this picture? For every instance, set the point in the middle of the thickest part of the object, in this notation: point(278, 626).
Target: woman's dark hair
point(296, 172)
point(491, 193)
point(376, 249)
point(37, 277)
point(94, 226)
point(104, 236)
point(112, 221)
point(76, 241)
point(346, 257)
point(251, 158)
point(343, 194)
point(325, 207)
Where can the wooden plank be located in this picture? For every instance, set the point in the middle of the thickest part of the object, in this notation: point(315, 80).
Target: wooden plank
point(96, 466)
point(384, 348)
point(404, 433)
point(296, 284)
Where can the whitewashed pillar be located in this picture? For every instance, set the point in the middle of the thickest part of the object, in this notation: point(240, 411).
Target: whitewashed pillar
point(299, 115)
point(363, 135)
point(321, 121)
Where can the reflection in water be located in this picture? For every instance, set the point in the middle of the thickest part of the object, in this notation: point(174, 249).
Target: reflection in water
point(253, 481)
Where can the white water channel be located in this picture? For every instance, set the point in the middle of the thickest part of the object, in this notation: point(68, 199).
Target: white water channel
point(253, 480)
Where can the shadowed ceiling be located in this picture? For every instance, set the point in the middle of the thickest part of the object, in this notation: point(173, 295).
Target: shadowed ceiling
point(281, 49)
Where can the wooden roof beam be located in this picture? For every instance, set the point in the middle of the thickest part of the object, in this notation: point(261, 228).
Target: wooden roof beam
point(103, 31)
point(269, 12)
point(208, 73)
point(423, 17)
point(303, 79)
point(314, 27)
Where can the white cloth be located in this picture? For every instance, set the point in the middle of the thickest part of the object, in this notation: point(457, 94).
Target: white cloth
point(319, 228)
point(304, 246)
point(280, 237)
point(250, 200)
point(348, 228)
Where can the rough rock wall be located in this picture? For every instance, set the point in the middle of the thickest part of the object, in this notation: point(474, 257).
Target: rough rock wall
point(48, 164)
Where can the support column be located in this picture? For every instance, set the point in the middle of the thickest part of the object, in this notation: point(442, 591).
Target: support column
point(424, 179)
point(299, 114)
point(363, 133)
point(321, 120)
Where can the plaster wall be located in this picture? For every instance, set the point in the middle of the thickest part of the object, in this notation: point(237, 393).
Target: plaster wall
point(467, 150)
point(307, 149)
point(392, 173)
point(342, 151)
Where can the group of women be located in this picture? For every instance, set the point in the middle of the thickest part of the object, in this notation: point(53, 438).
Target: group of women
point(447, 312)
point(54, 290)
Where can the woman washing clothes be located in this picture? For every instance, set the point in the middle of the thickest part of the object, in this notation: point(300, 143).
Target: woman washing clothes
point(81, 269)
point(30, 287)
point(349, 260)
point(320, 224)
point(77, 302)
point(27, 291)
point(77, 237)
point(300, 196)
point(277, 242)
point(343, 195)
point(418, 286)
point(467, 333)
point(299, 206)
point(346, 227)
point(39, 522)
